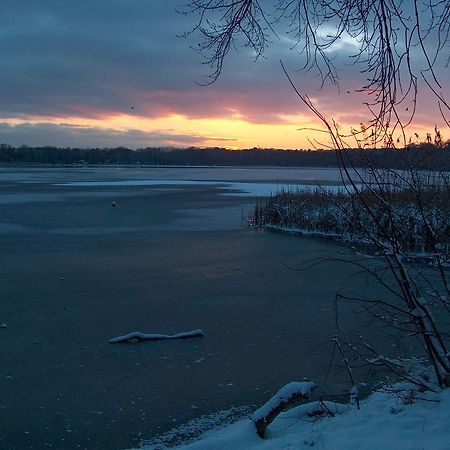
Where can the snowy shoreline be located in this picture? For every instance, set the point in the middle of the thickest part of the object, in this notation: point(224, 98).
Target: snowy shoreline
point(424, 258)
point(400, 418)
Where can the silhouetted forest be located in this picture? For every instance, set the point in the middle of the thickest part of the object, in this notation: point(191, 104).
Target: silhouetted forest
point(425, 156)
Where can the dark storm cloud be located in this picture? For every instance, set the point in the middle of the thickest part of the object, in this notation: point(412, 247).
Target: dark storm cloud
point(68, 135)
point(94, 58)
point(60, 56)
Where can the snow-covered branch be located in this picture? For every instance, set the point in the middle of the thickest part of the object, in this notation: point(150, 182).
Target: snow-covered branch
point(289, 395)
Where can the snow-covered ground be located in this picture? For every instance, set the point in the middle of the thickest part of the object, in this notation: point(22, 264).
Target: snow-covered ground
point(386, 420)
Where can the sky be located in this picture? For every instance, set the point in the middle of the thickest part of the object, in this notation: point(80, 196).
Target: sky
point(107, 73)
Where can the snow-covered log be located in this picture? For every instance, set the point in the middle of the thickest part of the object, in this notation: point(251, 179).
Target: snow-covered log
point(289, 395)
point(137, 336)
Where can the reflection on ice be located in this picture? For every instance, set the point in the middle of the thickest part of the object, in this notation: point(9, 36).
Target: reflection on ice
point(132, 183)
point(244, 189)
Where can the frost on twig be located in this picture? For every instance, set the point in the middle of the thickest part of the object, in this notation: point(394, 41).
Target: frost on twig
point(137, 336)
point(289, 395)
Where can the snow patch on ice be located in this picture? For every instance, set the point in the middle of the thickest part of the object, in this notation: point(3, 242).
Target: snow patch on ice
point(155, 337)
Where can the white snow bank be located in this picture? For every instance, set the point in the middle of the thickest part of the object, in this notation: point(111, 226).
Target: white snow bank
point(155, 337)
point(383, 422)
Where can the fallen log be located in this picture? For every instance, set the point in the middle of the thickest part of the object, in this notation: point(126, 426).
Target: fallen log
point(290, 395)
point(137, 336)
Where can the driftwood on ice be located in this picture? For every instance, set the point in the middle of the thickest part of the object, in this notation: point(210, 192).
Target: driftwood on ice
point(137, 336)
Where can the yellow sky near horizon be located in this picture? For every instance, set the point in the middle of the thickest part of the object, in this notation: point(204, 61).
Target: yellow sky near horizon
point(291, 132)
point(233, 133)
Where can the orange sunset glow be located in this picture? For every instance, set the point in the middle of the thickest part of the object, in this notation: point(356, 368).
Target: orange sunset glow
point(294, 131)
point(232, 133)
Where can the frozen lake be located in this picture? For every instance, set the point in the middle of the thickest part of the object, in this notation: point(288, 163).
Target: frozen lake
point(174, 255)
point(244, 174)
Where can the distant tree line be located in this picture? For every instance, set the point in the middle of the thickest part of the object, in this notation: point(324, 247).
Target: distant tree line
point(425, 156)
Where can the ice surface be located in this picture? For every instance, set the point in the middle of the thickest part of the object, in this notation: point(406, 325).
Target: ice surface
point(245, 189)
